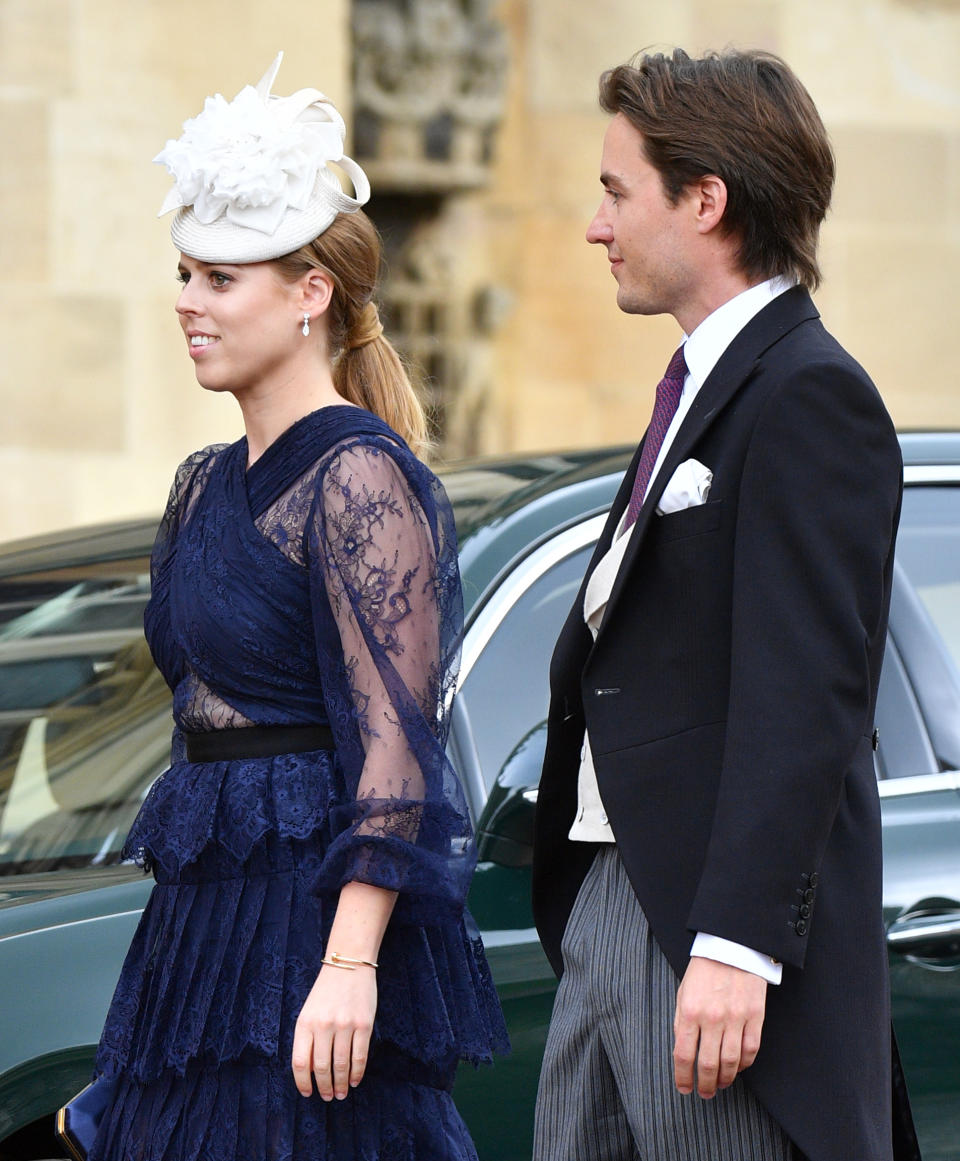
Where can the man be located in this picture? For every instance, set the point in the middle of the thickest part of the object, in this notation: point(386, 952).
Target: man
point(708, 815)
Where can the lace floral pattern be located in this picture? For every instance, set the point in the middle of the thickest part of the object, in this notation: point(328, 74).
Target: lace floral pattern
point(382, 583)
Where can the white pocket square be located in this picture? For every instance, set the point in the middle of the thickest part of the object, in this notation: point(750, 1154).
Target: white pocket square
point(689, 486)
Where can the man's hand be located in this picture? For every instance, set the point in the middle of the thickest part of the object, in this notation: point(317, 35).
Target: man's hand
point(720, 1009)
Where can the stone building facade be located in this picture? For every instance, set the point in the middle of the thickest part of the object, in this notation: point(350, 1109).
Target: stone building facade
point(484, 155)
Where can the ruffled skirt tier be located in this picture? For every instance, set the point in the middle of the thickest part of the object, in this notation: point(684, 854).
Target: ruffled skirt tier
point(200, 1031)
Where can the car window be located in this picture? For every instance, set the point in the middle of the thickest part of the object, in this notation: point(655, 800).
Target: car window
point(84, 715)
point(505, 695)
point(925, 631)
point(928, 549)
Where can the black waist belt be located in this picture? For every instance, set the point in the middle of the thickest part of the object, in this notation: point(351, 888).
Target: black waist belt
point(257, 742)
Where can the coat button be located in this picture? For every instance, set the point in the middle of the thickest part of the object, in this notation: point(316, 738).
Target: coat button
point(801, 927)
point(805, 910)
point(814, 879)
point(809, 895)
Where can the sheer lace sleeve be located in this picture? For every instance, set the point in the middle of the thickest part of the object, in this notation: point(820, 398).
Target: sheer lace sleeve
point(182, 494)
point(386, 593)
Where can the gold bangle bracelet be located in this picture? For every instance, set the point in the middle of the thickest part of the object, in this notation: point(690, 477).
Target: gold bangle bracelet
point(347, 962)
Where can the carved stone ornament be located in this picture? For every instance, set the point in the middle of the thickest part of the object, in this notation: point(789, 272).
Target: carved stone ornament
point(429, 92)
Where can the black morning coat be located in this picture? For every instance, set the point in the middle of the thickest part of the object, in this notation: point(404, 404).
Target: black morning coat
point(730, 702)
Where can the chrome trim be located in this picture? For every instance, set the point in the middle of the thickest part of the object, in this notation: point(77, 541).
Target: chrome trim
point(67, 645)
point(490, 617)
point(931, 474)
point(919, 784)
point(910, 931)
point(45, 930)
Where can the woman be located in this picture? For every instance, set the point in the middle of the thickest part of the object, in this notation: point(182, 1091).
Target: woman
point(302, 983)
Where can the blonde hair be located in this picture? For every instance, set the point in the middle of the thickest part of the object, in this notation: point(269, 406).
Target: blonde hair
point(367, 369)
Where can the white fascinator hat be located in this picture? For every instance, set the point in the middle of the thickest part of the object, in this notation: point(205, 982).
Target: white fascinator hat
point(252, 177)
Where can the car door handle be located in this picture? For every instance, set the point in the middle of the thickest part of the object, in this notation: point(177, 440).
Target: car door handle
point(930, 935)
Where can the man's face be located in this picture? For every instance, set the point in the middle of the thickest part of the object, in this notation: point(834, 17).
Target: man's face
point(646, 237)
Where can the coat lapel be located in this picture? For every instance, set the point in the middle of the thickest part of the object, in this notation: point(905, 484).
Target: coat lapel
point(736, 365)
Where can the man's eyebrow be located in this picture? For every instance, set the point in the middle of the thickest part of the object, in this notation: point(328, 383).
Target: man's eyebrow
point(610, 179)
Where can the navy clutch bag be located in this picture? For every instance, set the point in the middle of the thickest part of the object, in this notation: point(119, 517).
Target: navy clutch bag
point(79, 1119)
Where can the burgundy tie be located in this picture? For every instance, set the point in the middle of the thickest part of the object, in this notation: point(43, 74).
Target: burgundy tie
point(669, 390)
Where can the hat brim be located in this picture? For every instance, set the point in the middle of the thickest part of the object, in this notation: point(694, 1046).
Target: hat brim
point(225, 241)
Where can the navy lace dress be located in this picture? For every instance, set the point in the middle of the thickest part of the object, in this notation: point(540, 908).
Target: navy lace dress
point(319, 586)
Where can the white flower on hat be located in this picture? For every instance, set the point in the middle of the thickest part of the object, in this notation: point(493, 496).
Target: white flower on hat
point(253, 161)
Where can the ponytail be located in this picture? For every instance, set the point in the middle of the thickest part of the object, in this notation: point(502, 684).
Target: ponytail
point(371, 373)
point(367, 370)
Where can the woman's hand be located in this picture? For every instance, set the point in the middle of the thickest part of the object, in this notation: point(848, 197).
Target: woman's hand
point(332, 1037)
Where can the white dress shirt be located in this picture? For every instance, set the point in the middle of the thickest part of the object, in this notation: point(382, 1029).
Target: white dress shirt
point(702, 351)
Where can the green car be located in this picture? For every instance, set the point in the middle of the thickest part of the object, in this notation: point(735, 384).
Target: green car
point(85, 728)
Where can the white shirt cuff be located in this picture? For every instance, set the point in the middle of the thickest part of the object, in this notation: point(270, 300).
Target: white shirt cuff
point(738, 956)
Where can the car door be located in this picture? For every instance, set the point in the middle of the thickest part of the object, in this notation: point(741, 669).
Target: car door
point(499, 733)
point(918, 716)
point(84, 730)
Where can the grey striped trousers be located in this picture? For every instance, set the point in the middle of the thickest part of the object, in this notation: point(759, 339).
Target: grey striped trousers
point(606, 1087)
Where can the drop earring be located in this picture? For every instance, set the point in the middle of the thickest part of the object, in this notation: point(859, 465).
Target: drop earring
point(305, 329)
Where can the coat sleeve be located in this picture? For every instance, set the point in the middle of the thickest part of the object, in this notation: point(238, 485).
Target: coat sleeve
point(817, 518)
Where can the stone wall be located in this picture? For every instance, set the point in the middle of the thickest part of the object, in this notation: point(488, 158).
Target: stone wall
point(98, 400)
point(885, 74)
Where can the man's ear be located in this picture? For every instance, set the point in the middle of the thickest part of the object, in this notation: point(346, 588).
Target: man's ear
point(710, 202)
point(316, 292)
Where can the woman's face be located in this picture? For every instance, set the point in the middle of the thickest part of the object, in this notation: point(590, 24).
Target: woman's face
point(241, 322)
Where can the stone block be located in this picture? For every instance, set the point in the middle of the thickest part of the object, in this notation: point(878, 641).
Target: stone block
point(568, 354)
point(564, 165)
point(569, 322)
point(874, 61)
point(170, 414)
point(891, 177)
point(832, 297)
point(61, 378)
point(36, 492)
point(120, 488)
point(900, 306)
point(35, 47)
point(192, 48)
point(24, 190)
point(570, 45)
point(552, 415)
point(105, 197)
point(719, 24)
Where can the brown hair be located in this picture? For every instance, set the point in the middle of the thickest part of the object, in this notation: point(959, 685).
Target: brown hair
point(745, 117)
point(367, 369)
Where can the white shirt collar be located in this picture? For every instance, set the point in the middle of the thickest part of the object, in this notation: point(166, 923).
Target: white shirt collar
point(711, 338)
